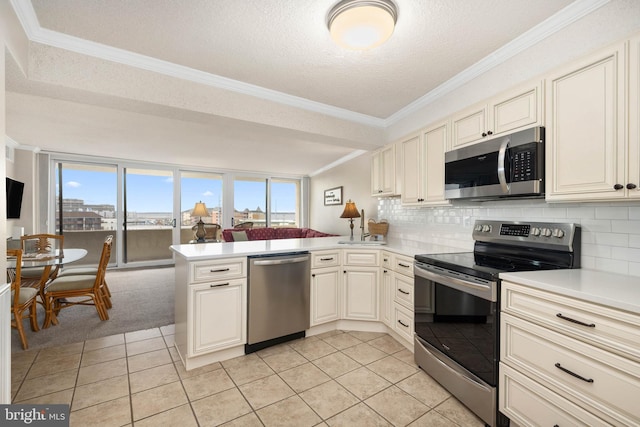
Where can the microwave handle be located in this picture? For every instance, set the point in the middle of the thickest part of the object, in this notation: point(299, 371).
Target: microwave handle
point(502, 177)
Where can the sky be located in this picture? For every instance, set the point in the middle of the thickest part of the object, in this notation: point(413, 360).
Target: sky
point(149, 193)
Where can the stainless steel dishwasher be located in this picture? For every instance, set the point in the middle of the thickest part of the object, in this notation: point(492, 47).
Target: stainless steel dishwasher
point(278, 299)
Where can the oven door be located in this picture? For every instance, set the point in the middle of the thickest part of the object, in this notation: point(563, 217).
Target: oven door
point(456, 314)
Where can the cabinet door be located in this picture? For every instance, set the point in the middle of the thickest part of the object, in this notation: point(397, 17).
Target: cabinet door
point(434, 143)
point(218, 319)
point(388, 177)
point(411, 171)
point(469, 126)
point(585, 135)
point(517, 109)
point(361, 294)
point(633, 160)
point(386, 297)
point(383, 171)
point(325, 295)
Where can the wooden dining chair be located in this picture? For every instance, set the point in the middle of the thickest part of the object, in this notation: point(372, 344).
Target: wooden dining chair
point(22, 299)
point(40, 245)
point(64, 291)
point(91, 271)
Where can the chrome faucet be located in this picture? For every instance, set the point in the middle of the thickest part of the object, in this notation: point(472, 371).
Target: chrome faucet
point(363, 234)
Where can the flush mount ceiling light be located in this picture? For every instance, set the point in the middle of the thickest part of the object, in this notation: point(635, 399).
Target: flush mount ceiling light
point(362, 24)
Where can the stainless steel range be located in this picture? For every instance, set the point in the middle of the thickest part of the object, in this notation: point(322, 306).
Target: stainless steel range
point(457, 304)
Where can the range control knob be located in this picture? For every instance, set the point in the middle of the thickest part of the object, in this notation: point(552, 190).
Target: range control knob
point(477, 228)
point(486, 228)
point(558, 233)
point(546, 232)
point(535, 231)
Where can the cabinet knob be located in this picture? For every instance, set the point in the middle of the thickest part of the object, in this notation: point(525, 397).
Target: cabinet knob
point(618, 187)
point(313, 275)
point(484, 134)
point(489, 133)
point(631, 186)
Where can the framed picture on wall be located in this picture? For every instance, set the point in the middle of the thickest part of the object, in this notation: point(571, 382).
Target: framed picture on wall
point(333, 196)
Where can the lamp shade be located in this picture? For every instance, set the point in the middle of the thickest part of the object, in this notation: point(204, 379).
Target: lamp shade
point(350, 210)
point(362, 24)
point(200, 209)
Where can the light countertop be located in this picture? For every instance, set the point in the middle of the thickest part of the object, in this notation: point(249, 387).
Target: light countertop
point(201, 251)
point(610, 289)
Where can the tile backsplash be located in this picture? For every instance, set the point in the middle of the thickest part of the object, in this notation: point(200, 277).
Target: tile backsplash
point(610, 231)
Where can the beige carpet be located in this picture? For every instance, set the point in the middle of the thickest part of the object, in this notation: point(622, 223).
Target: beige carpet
point(142, 299)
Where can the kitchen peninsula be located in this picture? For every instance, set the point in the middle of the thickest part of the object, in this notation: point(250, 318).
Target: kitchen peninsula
point(357, 286)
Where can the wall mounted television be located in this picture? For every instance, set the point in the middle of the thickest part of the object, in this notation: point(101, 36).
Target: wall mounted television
point(14, 198)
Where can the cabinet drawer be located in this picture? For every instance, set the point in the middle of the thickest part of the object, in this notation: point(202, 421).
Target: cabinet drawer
point(526, 402)
point(325, 259)
point(369, 259)
point(403, 265)
point(403, 322)
point(603, 383)
point(403, 291)
point(610, 329)
point(218, 270)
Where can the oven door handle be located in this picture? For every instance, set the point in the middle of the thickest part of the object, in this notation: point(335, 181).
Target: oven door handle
point(502, 176)
point(454, 282)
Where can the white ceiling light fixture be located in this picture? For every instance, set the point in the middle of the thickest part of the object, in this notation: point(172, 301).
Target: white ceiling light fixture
point(362, 24)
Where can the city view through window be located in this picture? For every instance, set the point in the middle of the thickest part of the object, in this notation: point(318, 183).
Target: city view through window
point(90, 194)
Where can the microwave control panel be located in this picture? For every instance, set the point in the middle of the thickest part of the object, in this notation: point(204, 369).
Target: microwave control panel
point(524, 163)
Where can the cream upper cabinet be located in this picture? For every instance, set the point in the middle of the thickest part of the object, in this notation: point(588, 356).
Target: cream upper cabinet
point(423, 166)
point(516, 109)
point(586, 148)
point(411, 171)
point(383, 171)
point(633, 151)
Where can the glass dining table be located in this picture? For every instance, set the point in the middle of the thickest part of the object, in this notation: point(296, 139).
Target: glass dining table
point(50, 262)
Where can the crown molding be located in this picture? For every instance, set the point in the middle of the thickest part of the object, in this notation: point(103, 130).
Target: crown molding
point(546, 28)
point(338, 162)
point(29, 21)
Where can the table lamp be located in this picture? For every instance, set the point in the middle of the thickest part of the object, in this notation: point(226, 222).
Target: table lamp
point(350, 211)
point(200, 210)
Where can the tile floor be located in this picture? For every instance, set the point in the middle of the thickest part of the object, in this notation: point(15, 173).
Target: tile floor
point(334, 379)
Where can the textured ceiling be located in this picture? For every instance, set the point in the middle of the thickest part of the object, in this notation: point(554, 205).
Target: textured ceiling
point(284, 44)
point(281, 49)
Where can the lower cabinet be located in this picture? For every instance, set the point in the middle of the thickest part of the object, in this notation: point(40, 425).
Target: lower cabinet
point(210, 310)
point(361, 293)
point(218, 315)
point(567, 362)
point(386, 297)
point(325, 295)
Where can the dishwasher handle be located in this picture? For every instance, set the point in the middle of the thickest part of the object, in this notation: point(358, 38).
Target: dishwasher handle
point(280, 261)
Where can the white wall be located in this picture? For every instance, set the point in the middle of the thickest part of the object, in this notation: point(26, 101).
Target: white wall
point(23, 169)
point(354, 177)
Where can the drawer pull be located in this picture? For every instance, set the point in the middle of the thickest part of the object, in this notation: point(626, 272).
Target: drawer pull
point(219, 285)
point(403, 265)
point(402, 291)
point(326, 259)
point(219, 270)
point(568, 319)
point(573, 374)
point(403, 324)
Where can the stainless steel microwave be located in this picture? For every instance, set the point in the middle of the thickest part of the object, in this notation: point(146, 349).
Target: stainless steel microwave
point(506, 166)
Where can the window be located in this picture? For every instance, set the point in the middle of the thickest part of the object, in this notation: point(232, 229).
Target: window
point(285, 203)
point(199, 187)
point(250, 201)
